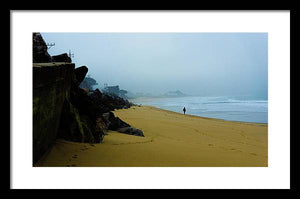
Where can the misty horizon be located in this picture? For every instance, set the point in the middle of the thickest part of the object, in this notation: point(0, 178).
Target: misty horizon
point(204, 64)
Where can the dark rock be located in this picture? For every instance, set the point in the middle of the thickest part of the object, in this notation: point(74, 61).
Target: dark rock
point(131, 131)
point(101, 124)
point(51, 85)
point(78, 127)
point(79, 120)
point(84, 103)
point(107, 102)
point(97, 93)
point(112, 122)
point(70, 127)
point(40, 54)
point(80, 73)
point(61, 58)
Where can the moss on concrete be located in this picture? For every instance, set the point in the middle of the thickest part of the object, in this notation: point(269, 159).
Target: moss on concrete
point(51, 86)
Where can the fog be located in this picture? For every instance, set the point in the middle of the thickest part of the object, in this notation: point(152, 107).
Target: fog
point(205, 64)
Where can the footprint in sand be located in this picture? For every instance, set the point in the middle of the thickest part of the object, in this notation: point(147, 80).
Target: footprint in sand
point(85, 148)
point(210, 145)
point(75, 156)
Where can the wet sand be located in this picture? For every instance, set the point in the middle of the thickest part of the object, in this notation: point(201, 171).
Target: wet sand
point(171, 140)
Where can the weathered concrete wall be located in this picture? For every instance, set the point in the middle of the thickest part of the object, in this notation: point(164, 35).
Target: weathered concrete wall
point(51, 86)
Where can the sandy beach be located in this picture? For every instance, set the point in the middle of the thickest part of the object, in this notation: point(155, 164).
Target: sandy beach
point(171, 140)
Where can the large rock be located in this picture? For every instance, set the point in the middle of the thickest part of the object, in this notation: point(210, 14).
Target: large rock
point(112, 122)
point(78, 128)
point(82, 117)
point(84, 103)
point(116, 124)
point(70, 127)
point(40, 53)
point(107, 102)
point(61, 58)
point(131, 131)
point(80, 73)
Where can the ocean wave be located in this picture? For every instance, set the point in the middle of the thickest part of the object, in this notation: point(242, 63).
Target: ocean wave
point(250, 110)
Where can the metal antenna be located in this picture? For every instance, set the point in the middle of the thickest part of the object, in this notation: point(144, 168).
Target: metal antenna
point(49, 45)
point(71, 54)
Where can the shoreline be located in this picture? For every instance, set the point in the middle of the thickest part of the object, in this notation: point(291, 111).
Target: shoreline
point(202, 117)
point(171, 140)
point(228, 108)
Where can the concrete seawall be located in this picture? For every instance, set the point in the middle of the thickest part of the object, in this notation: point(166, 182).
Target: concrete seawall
point(51, 86)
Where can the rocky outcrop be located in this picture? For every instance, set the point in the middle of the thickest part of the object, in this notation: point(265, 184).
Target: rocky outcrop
point(112, 122)
point(61, 58)
point(80, 114)
point(107, 103)
point(80, 73)
point(116, 124)
point(131, 131)
point(40, 53)
point(61, 109)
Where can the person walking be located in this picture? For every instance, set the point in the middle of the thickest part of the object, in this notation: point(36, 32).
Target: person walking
point(184, 110)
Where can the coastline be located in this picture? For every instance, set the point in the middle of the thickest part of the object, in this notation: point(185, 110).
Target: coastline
point(171, 139)
point(228, 108)
point(208, 118)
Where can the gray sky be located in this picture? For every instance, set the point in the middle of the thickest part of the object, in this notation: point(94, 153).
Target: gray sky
point(206, 64)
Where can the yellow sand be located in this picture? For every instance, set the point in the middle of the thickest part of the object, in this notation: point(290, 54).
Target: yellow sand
point(171, 139)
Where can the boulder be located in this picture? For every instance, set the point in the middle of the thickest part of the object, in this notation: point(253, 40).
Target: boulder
point(61, 58)
point(131, 131)
point(80, 73)
point(112, 122)
point(84, 103)
point(107, 103)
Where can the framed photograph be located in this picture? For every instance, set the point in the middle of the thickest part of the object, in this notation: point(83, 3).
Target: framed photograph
point(171, 100)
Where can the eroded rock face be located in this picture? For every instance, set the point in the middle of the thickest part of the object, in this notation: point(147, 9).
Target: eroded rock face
point(40, 53)
point(70, 124)
point(79, 123)
point(102, 125)
point(116, 124)
point(51, 86)
point(108, 103)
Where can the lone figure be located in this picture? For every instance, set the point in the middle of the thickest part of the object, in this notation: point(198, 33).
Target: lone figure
point(184, 110)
